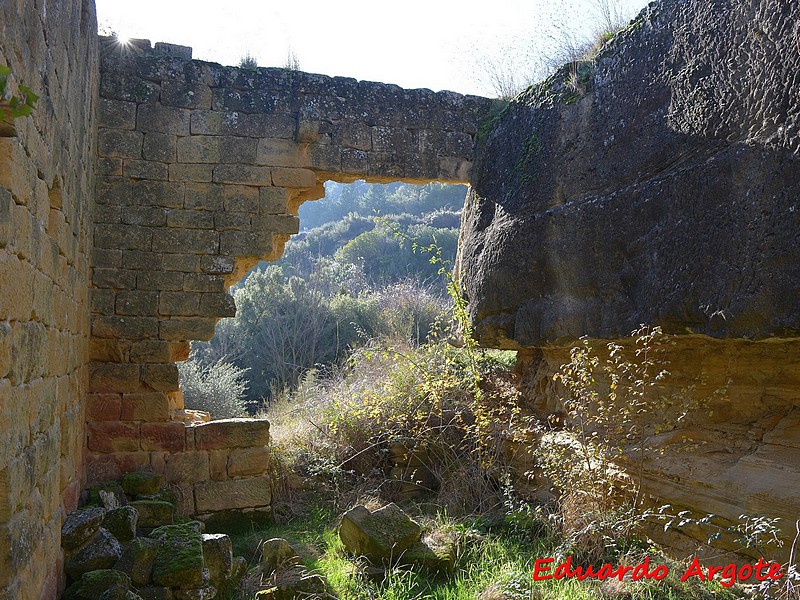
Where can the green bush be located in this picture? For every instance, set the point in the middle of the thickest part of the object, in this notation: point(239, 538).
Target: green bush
point(218, 388)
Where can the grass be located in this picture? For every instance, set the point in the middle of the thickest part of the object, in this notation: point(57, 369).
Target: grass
point(496, 562)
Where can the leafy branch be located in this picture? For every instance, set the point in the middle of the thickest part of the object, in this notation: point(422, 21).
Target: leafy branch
point(14, 107)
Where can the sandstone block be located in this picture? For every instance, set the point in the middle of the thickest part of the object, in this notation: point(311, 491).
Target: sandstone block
point(232, 433)
point(106, 258)
point(101, 552)
point(326, 157)
point(158, 351)
point(121, 522)
point(185, 263)
point(122, 237)
point(154, 513)
point(232, 220)
point(159, 280)
point(200, 282)
point(112, 436)
point(186, 95)
point(113, 278)
point(113, 377)
point(127, 87)
point(217, 557)
point(190, 219)
point(187, 328)
point(202, 196)
point(293, 178)
point(277, 553)
point(454, 169)
point(136, 302)
point(217, 265)
point(145, 169)
point(217, 149)
point(185, 304)
point(103, 407)
point(149, 216)
point(273, 200)
point(192, 241)
point(276, 152)
point(137, 560)
point(179, 562)
point(246, 462)
point(378, 535)
point(217, 305)
point(242, 174)
point(80, 526)
point(150, 406)
point(245, 243)
point(166, 437)
point(168, 194)
point(212, 496)
point(160, 147)
point(138, 260)
point(162, 119)
point(102, 468)
point(141, 483)
point(218, 462)
point(132, 328)
point(276, 223)
point(195, 173)
point(187, 467)
point(118, 143)
point(116, 114)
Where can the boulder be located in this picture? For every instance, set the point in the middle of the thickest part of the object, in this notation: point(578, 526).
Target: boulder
point(179, 561)
point(277, 552)
point(93, 584)
point(122, 522)
point(294, 583)
point(435, 553)
point(154, 513)
point(80, 525)
point(380, 535)
point(100, 552)
point(137, 560)
point(217, 556)
point(108, 495)
point(141, 483)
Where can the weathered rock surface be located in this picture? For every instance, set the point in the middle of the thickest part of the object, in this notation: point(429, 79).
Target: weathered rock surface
point(79, 526)
point(659, 185)
point(661, 188)
point(94, 584)
point(379, 535)
point(137, 560)
point(121, 523)
point(141, 483)
point(100, 552)
point(275, 553)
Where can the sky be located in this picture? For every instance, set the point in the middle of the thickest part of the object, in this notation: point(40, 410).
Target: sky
point(435, 44)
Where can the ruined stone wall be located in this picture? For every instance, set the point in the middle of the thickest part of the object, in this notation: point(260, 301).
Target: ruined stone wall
point(46, 183)
point(201, 170)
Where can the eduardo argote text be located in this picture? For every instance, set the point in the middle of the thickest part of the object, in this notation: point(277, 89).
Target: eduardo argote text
point(728, 574)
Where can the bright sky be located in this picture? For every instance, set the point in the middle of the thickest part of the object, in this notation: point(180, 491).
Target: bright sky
point(437, 44)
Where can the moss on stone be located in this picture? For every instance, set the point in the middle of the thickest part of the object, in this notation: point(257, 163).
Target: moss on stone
point(141, 483)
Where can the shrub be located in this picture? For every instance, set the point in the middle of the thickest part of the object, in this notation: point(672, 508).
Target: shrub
point(218, 388)
point(248, 61)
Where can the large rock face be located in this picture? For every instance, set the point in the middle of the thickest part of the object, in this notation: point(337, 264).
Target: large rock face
point(660, 185)
point(661, 188)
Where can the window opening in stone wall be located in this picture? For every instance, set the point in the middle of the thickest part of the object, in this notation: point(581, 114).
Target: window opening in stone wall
point(359, 274)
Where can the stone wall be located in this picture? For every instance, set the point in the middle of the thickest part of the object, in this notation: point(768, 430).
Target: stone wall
point(46, 190)
point(201, 170)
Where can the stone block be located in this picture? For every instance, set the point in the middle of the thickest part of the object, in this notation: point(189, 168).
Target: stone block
point(190, 219)
point(217, 265)
point(228, 220)
point(106, 258)
point(277, 152)
point(131, 328)
point(246, 462)
point(180, 304)
point(102, 301)
point(202, 196)
point(232, 433)
point(113, 278)
point(145, 406)
point(119, 143)
point(187, 329)
point(125, 86)
point(161, 378)
point(101, 552)
point(187, 467)
point(454, 169)
point(101, 468)
point(196, 241)
point(112, 436)
point(245, 243)
point(326, 157)
point(103, 407)
point(116, 114)
point(140, 260)
point(158, 351)
point(169, 281)
point(355, 162)
point(121, 522)
point(168, 194)
point(217, 149)
point(355, 135)
point(242, 174)
point(293, 178)
point(113, 377)
point(162, 119)
point(217, 557)
point(160, 147)
point(218, 464)
point(179, 562)
point(185, 263)
point(217, 305)
point(123, 237)
point(273, 200)
point(196, 173)
point(145, 169)
point(137, 302)
point(137, 560)
point(113, 190)
point(185, 94)
point(201, 282)
point(166, 437)
point(174, 50)
point(154, 513)
point(213, 496)
point(276, 224)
